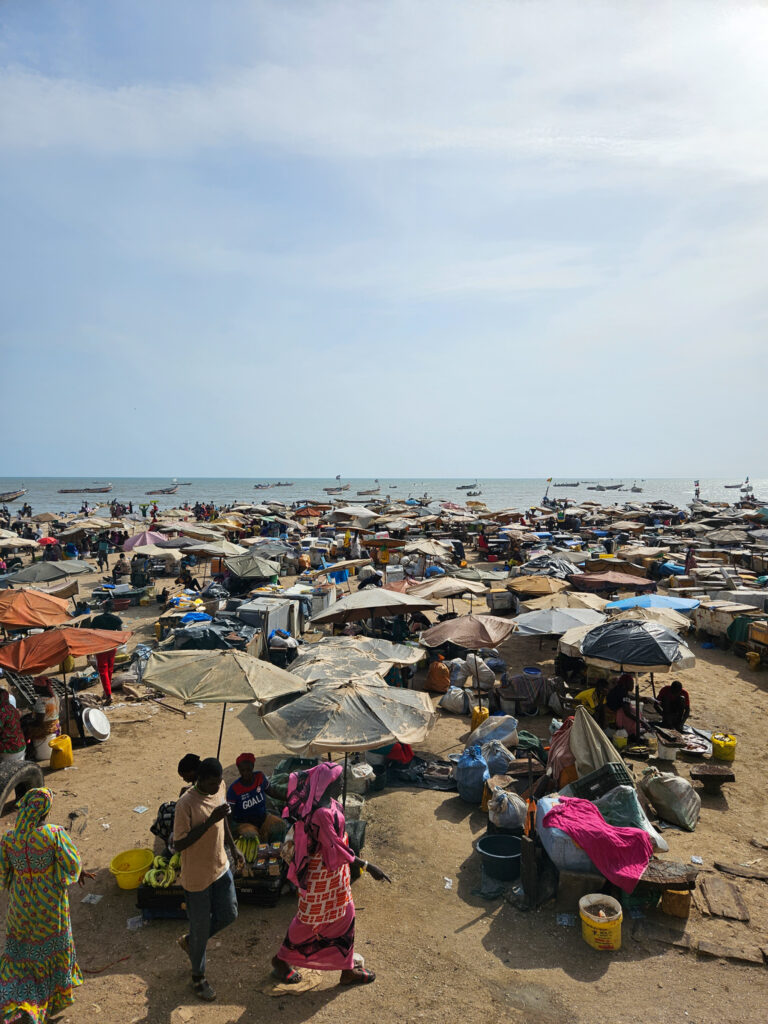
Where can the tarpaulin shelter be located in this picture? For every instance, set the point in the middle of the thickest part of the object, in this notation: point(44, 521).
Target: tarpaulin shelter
point(371, 603)
point(251, 566)
point(447, 586)
point(217, 549)
point(633, 645)
point(555, 621)
point(469, 631)
point(549, 565)
point(608, 581)
point(666, 617)
point(25, 609)
point(536, 586)
point(429, 548)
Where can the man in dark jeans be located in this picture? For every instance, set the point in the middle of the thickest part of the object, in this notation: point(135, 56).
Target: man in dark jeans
point(200, 832)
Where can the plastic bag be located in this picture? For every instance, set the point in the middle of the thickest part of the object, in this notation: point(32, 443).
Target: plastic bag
point(471, 774)
point(479, 673)
point(459, 672)
point(674, 799)
point(456, 700)
point(498, 727)
point(621, 807)
point(506, 810)
point(497, 757)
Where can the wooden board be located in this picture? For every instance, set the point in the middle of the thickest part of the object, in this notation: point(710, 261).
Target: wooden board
point(723, 898)
point(749, 954)
point(658, 933)
point(742, 872)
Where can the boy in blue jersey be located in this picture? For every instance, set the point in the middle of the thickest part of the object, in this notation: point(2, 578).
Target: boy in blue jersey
point(247, 796)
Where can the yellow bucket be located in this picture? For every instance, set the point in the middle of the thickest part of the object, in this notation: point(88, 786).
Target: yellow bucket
point(723, 746)
point(130, 866)
point(603, 933)
point(479, 715)
point(753, 660)
point(61, 752)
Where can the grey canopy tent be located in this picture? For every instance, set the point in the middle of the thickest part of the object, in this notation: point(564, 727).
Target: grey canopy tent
point(251, 566)
point(371, 602)
point(556, 621)
point(47, 572)
point(343, 657)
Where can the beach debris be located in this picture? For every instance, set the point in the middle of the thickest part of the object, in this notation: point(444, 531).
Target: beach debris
point(92, 897)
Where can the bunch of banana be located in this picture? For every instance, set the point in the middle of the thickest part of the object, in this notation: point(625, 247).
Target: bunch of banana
point(162, 873)
point(249, 847)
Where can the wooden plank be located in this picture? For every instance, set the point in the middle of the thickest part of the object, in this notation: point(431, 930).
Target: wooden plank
point(723, 898)
point(742, 872)
point(748, 954)
point(658, 933)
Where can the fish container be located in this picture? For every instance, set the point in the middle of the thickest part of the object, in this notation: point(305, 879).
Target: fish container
point(723, 746)
point(61, 752)
point(601, 918)
point(500, 855)
point(354, 807)
point(508, 702)
point(664, 752)
point(500, 600)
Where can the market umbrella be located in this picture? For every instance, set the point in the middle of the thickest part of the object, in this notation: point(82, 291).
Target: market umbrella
point(220, 677)
point(667, 617)
point(369, 603)
point(680, 604)
point(45, 517)
point(611, 581)
point(447, 586)
point(174, 542)
point(566, 600)
point(355, 714)
point(43, 651)
point(217, 549)
point(536, 585)
point(20, 609)
point(633, 645)
point(469, 631)
point(430, 548)
point(140, 540)
point(555, 621)
point(44, 541)
point(8, 543)
point(342, 657)
point(728, 536)
point(46, 572)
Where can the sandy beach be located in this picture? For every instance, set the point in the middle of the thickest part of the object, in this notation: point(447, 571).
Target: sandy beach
point(440, 953)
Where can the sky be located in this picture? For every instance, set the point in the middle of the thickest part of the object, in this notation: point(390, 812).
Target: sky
point(402, 237)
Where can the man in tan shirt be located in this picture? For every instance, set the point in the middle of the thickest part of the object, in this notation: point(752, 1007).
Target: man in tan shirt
point(200, 832)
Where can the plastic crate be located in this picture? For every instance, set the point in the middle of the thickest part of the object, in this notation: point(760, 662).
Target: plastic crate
point(169, 903)
point(598, 783)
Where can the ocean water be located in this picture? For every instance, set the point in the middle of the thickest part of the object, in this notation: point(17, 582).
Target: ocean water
point(497, 493)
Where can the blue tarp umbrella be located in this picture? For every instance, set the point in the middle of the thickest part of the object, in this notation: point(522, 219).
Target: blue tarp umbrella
point(680, 604)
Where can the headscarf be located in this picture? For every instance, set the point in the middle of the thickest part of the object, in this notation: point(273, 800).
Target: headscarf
point(34, 808)
point(245, 758)
point(305, 791)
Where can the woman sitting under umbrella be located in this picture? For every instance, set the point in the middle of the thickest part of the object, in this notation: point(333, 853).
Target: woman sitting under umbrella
point(322, 934)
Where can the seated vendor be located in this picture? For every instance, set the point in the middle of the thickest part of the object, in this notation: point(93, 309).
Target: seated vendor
point(675, 705)
point(42, 725)
point(247, 796)
point(121, 569)
point(619, 700)
point(188, 581)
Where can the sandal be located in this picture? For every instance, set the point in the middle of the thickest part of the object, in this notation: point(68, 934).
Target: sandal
point(203, 990)
point(285, 973)
point(360, 976)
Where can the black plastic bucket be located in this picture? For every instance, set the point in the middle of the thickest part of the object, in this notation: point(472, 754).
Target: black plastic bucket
point(500, 855)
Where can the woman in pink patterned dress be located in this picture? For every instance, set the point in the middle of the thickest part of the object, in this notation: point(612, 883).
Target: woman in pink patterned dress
point(322, 934)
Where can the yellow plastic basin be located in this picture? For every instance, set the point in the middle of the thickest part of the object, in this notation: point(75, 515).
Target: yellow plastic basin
point(130, 866)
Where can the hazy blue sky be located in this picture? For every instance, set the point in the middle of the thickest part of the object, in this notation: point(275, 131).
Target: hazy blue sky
point(411, 238)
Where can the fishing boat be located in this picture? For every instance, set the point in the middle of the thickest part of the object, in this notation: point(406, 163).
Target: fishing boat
point(261, 487)
point(612, 487)
point(466, 487)
point(13, 495)
point(164, 490)
point(284, 483)
point(575, 484)
point(372, 490)
point(336, 490)
point(733, 487)
point(635, 489)
point(102, 489)
point(597, 487)
point(186, 483)
point(473, 494)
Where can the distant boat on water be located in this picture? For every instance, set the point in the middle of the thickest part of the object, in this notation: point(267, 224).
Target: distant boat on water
point(575, 484)
point(13, 495)
point(466, 487)
point(164, 490)
point(101, 489)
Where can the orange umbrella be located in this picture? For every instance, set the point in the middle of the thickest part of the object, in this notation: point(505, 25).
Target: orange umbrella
point(28, 608)
point(44, 650)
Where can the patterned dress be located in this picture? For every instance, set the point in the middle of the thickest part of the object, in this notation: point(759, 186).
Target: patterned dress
point(38, 970)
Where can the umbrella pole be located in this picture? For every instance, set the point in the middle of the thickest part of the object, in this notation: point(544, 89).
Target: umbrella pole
point(66, 701)
point(653, 687)
point(344, 788)
point(221, 730)
point(637, 706)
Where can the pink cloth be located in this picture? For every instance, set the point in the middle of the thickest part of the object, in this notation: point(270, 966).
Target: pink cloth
point(560, 755)
point(329, 948)
point(305, 791)
point(621, 854)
